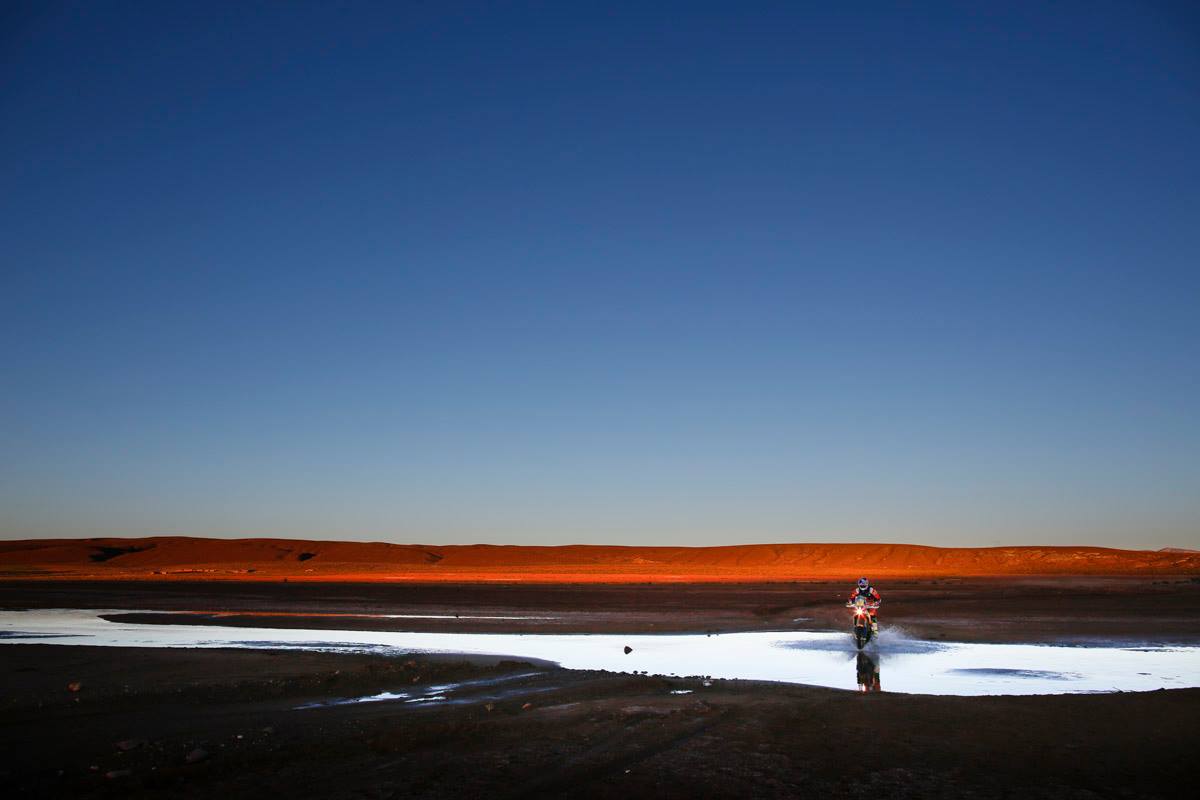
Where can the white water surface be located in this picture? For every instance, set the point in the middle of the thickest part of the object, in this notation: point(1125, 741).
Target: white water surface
point(808, 657)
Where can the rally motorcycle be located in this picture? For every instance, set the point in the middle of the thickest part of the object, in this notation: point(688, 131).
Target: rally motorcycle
point(862, 620)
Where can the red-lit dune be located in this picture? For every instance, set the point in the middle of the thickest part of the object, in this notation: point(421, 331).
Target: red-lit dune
point(176, 558)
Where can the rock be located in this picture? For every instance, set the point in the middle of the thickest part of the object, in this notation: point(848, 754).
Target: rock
point(74, 686)
point(126, 745)
point(269, 730)
point(628, 649)
point(527, 706)
point(118, 773)
point(196, 756)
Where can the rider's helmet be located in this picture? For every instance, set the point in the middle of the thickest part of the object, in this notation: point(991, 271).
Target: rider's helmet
point(863, 583)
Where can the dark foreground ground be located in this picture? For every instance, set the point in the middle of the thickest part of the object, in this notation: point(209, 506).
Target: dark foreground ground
point(533, 730)
point(554, 733)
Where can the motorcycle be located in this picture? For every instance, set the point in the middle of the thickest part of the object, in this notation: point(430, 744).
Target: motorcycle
point(862, 620)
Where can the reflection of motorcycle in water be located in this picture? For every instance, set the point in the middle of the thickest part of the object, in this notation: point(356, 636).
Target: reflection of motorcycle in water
point(868, 673)
point(863, 627)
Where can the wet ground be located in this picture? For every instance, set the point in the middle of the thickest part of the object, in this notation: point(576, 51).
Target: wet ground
point(1152, 610)
point(810, 657)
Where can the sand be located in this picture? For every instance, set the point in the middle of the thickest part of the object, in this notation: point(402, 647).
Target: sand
point(258, 560)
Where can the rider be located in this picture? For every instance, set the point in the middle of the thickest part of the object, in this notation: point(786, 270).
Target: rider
point(867, 591)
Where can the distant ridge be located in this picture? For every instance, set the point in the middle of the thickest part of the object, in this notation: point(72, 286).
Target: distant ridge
point(185, 558)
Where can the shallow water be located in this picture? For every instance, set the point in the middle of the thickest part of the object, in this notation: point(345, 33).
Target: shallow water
point(476, 691)
point(893, 663)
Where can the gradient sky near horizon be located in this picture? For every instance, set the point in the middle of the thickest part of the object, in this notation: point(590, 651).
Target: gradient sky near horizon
point(671, 273)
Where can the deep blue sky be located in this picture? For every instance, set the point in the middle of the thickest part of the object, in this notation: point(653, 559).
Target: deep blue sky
point(562, 272)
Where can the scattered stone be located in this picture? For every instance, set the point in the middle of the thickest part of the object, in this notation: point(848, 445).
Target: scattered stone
point(628, 649)
point(126, 745)
point(196, 756)
point(74, 686)
point(118, 773)
point(269, 730)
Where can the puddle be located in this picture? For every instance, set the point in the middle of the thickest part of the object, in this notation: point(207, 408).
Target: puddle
point(1040, 674)
point(449, 693)
point(346, 701)
point(894, 662)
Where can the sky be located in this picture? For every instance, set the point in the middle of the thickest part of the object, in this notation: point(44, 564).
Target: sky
point(673, 273)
